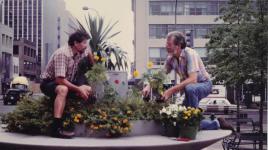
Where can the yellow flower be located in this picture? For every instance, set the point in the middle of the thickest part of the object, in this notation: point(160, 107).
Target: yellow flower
point(65, 123)
point(79, 115)
point(150, 65)
point(103, 59)
point(125, 121)
point(115, 119)
point(185, 112)
point(125, 130)
point(196, 111)
point(129, 112)
point(96, 57)
point(188, 114)
point(136, 74)
point(185, 117)
point(76, 120)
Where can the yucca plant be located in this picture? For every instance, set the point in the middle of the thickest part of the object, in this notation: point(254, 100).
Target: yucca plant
point(100, 34)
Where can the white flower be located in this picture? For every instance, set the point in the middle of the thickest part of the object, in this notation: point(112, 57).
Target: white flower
point(168, 112)
point(163, 110)
point(174, 123)
point(181, 108)
point(173, 107)
point(175, 115)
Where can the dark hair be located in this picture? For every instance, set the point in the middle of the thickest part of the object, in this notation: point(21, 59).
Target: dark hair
point(179, 38)
point(77, 36)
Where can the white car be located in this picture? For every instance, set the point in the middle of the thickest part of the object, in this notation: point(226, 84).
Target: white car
point(217, 105)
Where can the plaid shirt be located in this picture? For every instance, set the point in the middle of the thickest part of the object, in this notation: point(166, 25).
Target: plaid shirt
point(63, 63)
point(189, 61)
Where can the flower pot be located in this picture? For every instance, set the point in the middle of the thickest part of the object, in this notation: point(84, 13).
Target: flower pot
point(188, 132)
point(118, 80)
point(170, 130)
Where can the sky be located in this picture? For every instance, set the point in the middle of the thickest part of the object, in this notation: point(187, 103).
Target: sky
point(111, 10)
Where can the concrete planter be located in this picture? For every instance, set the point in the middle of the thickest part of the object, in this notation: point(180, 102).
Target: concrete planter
point(139, 128)
point(145, 127)
point(117, 79)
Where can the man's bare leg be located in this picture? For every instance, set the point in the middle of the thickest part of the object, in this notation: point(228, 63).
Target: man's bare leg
point(60, 100)
point(59, 104)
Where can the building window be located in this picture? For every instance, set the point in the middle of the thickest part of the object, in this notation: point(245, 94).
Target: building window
point(157, 55)
point(15, 50)
point(7, 42)
point(29, 52)
point(3, 39)
point(25, 50)
point(159, 31)
point(186, 7)
point(16, 69)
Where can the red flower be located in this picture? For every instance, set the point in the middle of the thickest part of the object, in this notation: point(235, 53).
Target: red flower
point(116, 81)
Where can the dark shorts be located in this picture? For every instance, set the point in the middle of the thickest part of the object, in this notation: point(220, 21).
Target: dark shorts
point(48, 87)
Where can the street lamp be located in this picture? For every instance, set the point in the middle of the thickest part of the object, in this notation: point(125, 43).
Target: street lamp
point(86, 8)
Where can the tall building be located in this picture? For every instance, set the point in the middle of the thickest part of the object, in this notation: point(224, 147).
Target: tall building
point(6, 53)
point(56, 27)
point(25, 51)
point(153, 19)
point(42, 22)
point(25, 17)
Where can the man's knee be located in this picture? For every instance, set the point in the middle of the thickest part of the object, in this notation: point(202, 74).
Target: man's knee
point(62, 90)
point(190, 88)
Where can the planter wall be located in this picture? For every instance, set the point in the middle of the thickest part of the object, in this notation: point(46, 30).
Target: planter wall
point(139, 128)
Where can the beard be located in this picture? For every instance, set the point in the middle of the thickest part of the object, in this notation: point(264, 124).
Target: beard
point(81, 51)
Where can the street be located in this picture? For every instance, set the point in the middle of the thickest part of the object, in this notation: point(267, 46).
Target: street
point(5, 108)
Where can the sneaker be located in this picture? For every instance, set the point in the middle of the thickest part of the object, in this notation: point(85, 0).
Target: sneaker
point(60, 133)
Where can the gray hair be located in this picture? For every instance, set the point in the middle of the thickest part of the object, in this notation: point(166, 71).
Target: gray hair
point(179, 38)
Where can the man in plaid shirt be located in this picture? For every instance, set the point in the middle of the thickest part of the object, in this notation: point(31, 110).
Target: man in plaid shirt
point(61, 78)
point(195, 81)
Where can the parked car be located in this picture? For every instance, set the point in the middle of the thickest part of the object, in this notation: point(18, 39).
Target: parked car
point(14, 95)
point(217, 105)
point(19, 88)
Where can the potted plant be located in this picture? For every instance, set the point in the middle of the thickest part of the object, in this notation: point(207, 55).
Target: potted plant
point(189, 120)
point(169, 118)
point(110, 55)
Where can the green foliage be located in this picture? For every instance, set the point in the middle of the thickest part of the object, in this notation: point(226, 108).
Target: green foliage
point(155, 80)
point(96, 75)
point(100, 34)
point(110, 93)
point(30, 116)
point(35, 116)
point(238, 47)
